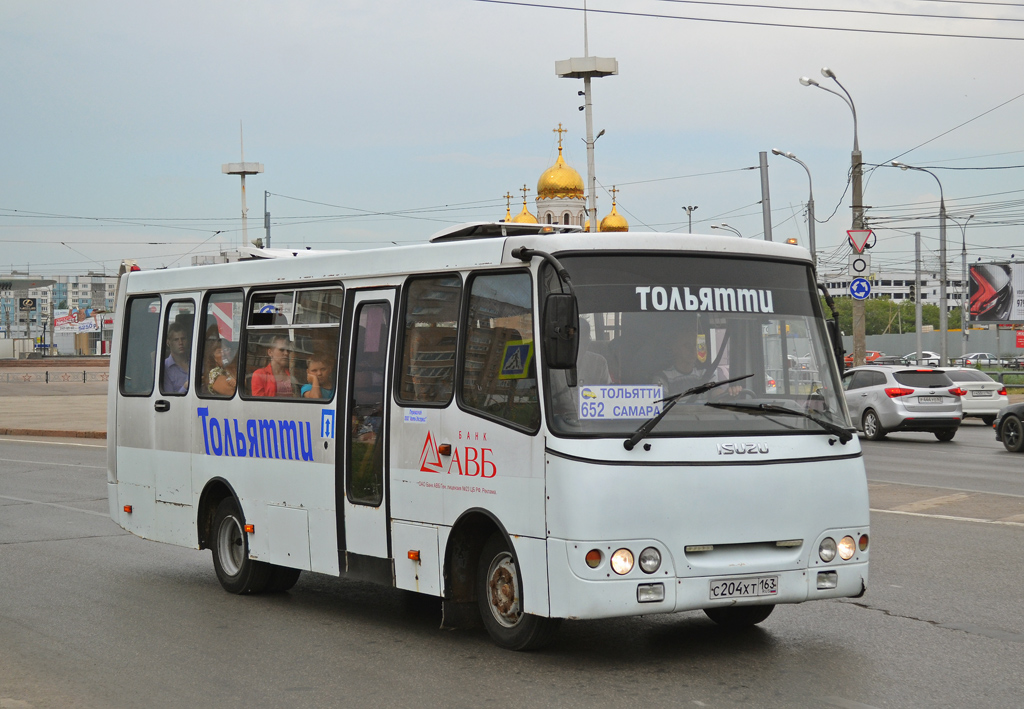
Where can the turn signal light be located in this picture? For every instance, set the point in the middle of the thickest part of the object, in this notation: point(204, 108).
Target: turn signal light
point(249, 528)
point(414, 555)
point(445, 449)
point(863, 544)
point(957, 391)
point(894, 392)
point(593, 558)
point(128, 509)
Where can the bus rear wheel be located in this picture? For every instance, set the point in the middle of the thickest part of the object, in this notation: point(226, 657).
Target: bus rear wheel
point(236, 572)
point(737, 617)
point(499, 596)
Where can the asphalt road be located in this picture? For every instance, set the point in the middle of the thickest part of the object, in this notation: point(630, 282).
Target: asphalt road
point(91, 616)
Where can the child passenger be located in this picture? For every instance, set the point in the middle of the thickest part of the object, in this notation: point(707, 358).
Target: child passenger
point(318, 374)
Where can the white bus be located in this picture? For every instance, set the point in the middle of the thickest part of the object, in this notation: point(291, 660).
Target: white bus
point(529, 422)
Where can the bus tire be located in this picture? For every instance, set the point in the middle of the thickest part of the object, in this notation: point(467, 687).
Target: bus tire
point(282, 578)
point(738, 617)
point(236, 572)
point(499, 596)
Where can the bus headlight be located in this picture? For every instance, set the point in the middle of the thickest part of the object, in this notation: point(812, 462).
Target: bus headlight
point(650, 560)
point(622, 561)
point(827, 549)
point(847, 548)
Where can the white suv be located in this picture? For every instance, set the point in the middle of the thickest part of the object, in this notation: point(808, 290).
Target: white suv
point(882, 399)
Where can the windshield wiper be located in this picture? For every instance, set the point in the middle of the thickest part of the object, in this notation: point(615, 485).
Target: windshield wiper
point(670, 401)
point(844, 434)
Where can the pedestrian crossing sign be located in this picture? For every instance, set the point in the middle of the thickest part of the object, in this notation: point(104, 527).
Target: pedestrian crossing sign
point(515, 359)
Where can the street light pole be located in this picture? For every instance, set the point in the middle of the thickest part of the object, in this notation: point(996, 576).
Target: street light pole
point(689, 215)
point(726, 227)
point(943, 314)
point(810, 203)
point(964, 292)
point(856, 177)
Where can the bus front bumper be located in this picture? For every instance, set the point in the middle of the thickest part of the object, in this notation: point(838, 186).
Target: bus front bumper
point(641, 594)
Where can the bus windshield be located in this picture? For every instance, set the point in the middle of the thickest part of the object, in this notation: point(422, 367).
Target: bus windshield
point(655, 325)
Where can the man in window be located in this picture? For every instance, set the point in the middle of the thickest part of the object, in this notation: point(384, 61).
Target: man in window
point(179, 350)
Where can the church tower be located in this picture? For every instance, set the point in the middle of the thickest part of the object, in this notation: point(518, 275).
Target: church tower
point(560, 192)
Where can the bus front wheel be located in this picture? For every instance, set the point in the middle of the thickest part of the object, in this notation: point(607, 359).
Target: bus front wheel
point(499, 597)
point(736, 617)
point(236, 572)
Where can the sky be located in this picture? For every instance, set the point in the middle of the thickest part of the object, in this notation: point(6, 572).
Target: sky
point(385, 121)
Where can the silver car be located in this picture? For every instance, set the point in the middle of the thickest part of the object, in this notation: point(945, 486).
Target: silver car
point(984, 396)
point(883, 399)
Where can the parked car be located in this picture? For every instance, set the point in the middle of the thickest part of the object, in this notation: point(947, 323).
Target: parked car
point(885, 398)
point(985, 359)
point(984, 396)
point(1009, 429)
point(928, 358)
point(889, 359)
point(869, 356)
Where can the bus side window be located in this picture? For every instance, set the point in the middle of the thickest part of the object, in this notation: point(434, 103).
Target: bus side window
point(177, 352)
point(222, 325)
point(499, 377)
point(427, 371)
point(138, 359)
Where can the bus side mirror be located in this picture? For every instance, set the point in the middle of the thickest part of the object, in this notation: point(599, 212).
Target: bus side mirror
point(561, 337)
point(837, 343)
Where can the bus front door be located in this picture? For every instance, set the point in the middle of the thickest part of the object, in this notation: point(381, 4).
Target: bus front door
point(364, 533)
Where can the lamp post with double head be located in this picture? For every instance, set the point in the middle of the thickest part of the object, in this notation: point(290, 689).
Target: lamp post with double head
point(726, 227)
point(689, 216)
point(856, 178)
point(943, 313)
point(810, 203)
point(964, 281)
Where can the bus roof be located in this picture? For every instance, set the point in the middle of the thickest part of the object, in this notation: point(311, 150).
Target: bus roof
point(464, 247)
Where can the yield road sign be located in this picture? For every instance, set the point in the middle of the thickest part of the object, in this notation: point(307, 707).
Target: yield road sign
point(859, 238)
point(860, 288)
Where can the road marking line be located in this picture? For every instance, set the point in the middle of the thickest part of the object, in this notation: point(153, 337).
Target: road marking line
point(63, 507)
point(1014, 518)
point(43, 462)
point(952, 518)
point(933, 502)
point(50, 443)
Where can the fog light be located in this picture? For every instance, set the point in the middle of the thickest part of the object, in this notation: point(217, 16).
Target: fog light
point(593, 558)
point(827, 549)
point(847, 548)
point(622, 561)
point(863, 542)
point(827, 579)
point(650, 593)
point(650, 560)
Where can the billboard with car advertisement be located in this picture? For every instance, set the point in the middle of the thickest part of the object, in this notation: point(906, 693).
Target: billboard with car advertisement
point(997, 293)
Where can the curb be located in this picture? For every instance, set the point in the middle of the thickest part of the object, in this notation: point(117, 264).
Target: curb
point(51, 432)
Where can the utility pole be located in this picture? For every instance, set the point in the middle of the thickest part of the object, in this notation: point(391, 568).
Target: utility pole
point(917, 293)
point(266, 217)
point(766, 201)
point(242, 168)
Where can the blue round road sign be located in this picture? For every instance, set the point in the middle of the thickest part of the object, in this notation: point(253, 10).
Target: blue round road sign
point(860, 288)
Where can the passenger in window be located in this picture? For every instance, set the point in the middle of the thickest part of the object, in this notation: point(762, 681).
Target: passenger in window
point(220, 373)
point(275, 379)
point(591, 368)
point(179, 348)
point(319, 375)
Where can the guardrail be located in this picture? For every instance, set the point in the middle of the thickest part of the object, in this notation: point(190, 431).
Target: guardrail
point(58, 377)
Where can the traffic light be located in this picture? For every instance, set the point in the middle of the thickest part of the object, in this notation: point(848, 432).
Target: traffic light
point(913, 293)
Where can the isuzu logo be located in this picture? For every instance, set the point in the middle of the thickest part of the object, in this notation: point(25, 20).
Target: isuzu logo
point(742, 448)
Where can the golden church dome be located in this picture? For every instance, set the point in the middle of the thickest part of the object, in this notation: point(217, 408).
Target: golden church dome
point(524, 217)
point(614, 222)
point(560, 181)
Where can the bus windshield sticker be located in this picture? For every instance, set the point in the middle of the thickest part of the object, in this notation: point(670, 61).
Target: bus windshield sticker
point(717, 300)
point(620, 402)
point(515, 360)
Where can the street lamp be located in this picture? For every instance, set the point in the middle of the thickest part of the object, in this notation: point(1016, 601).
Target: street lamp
point(810, 203)
point(856, 164)
point(726, 227)
point(964, 291)
point(943, 315)
point(689, 215)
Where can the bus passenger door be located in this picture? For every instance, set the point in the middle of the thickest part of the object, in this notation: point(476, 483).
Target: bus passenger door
point(368, 320)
